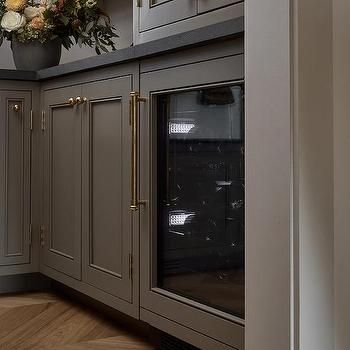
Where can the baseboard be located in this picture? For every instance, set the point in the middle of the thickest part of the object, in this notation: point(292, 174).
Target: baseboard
point(31, 282)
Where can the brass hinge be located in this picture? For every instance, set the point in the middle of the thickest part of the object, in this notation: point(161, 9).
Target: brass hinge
point(31, 120)
point(139, 3)
point(30, 234)
point(43, 121)
point(131, 266)
point(42, 235)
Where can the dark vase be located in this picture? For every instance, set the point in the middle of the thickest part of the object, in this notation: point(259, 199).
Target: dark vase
point(34, 56)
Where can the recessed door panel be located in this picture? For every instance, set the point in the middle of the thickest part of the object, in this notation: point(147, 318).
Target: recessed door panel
point(107, 218)
point(15, 151)
point(106, 185)
point(156, 13)
point(61, 234)
point(209, 5)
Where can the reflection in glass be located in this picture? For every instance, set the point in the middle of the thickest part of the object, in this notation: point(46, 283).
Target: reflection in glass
point(200, 142)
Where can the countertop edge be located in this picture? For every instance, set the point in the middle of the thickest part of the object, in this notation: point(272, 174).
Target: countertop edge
point(197, 37)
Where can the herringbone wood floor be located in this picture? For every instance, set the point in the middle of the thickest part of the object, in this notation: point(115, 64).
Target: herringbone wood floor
point(43, 321)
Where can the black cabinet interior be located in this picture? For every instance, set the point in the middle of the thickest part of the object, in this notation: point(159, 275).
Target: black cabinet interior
point(200, 190)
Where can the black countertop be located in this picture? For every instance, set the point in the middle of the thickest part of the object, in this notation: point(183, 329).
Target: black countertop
point(198, 37)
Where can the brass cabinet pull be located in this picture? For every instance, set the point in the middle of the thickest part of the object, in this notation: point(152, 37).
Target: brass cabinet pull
point(134, 119)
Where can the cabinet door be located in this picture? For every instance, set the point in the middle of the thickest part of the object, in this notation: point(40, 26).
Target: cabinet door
point(209, 5)
point(193, 230)
point(15, 153)
point(107, 217)
point(61, 231)
point(157, 13)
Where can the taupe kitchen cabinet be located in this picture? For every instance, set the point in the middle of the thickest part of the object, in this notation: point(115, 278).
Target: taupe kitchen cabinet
point(90, 235)
point(192, 195)
point(15, 175)
point(155, 19)
point(61, 227)
point(108, 228)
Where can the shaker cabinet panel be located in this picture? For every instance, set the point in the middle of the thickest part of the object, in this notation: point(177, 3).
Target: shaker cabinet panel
point(107, 217)
point(15, 155)
point(156, 13)
point(61, 231)
point(209, 5)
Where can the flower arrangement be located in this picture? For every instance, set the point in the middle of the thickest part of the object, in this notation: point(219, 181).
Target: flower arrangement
point(79, 22)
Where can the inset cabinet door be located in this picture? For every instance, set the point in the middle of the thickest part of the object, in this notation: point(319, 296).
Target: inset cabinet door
point(61, 231)
point(107, 217)
point(192, 233)
point(157, 13)
point(209, 5)
point(15, 155)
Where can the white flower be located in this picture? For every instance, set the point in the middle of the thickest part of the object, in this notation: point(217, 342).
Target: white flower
point(46, 3)
point(91, 3)
point(30, 12)
point(13, 21)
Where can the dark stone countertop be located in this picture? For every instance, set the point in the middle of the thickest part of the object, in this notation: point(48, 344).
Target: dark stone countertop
point(198, 37)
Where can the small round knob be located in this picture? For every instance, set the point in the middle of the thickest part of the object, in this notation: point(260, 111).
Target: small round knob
point(71, 101)
point(16, 108)
point(78, 100)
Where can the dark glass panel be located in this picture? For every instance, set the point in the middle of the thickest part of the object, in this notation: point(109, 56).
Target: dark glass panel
point(201, 196)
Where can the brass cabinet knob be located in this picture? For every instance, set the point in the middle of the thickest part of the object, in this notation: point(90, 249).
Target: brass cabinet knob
point(80, 100)
point(77, 101)
point(71, 101)
point(16, 108)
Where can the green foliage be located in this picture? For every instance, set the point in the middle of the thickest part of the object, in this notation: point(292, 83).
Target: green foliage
point(79, 22)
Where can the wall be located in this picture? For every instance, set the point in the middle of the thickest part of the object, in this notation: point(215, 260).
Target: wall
point(341, 38)
point(313, 101)
point(121, 13)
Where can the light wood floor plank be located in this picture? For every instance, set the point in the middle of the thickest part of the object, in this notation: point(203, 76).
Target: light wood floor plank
point(44, 321)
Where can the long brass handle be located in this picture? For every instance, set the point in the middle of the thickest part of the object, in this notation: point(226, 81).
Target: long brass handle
point(134, 118)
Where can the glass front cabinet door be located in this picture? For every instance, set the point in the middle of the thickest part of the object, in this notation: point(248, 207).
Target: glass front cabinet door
point(192, 174)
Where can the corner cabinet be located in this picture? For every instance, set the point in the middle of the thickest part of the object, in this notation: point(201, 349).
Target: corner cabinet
point(192, 196)
point(88, 234)
point(15, 175)
point(155, 19)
